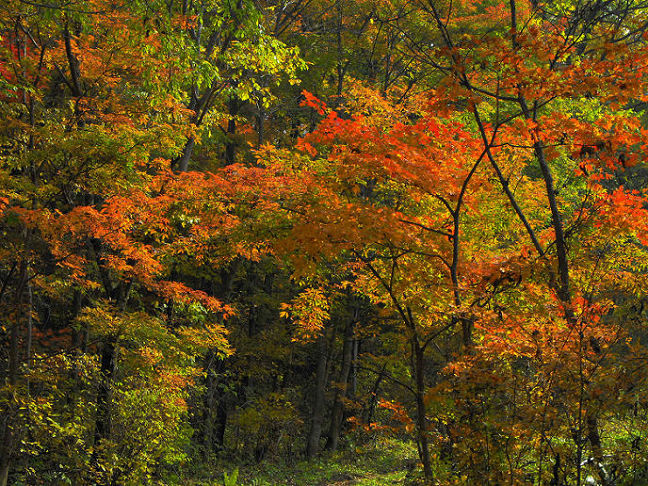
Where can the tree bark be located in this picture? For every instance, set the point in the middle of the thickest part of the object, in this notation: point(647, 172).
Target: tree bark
point(183, 163)
point(421, 416)
point(337, 413)
point(231, 145)
point(317, 415)
point(212, 420)
point(597, 449)
point(8, 437)
point(218, 440)
point(371, 408)
point(6, 447)
point(108, 366)
point(354, 369)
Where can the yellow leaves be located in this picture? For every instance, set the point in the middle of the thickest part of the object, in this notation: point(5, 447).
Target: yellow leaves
point(309, 311)
point(105, 320)
point(267, 417)
point(208, 337)
point(376, 110)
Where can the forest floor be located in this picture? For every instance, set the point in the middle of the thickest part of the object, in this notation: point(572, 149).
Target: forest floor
point(382, 463)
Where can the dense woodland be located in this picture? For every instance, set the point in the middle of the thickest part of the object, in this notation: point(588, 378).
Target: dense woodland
point(239, 232)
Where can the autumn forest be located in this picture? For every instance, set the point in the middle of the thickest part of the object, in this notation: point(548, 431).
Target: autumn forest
point(311, 242)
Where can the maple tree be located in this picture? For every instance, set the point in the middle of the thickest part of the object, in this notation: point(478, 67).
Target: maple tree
point(442, 238)
point(95, 226)
point(516, 87)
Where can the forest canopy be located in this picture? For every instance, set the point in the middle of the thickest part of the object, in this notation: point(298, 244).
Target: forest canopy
point(238, 232)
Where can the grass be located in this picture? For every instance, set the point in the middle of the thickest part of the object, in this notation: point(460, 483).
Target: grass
point(389, 462)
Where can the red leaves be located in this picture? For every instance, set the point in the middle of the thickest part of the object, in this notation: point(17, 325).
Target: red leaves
point(313, 102)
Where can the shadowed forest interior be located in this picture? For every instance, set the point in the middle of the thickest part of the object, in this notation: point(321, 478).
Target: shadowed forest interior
point(313, 242)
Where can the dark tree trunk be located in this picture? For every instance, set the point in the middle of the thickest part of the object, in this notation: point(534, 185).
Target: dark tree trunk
point(337, 413)
point(108, 366)
point(220, 424)
point(6, 447)
point(79, 336)
point(421, 416)
point(183, 162)
point(203, 423)
point(212, 420)
point(555, 479)
point(261, 117)
point(8, 425)
point(354, 369)
point(373, 401)
point(597, 449)
point(317, 414)
point(231, 145)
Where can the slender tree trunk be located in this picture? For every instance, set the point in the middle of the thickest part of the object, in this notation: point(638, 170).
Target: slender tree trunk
point(555, 479)
point(421, 416)
point(337, 413)
point(340, 52)
point(183, 163)
point(212, 420)
point(597, 449)
point(210, 414)
point(371, 408)
point(4, 471)
point(317, 415)
point(203, 422)
point(231, 145)
point(218, 440)
point(109, 352)
point(261, 117)
point(7, 446)
point(354, 369)
point(108, 366)
point(8, 437)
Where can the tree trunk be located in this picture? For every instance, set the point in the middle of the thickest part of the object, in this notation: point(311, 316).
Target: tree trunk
point(354, 369)
point(421, 417)
point(371, 408)
point(8, 437)
point(317, 415)
point(597, 449)
point(6, 448)
point(203, 423)
point(231, 145)
point(108, 365)
point(212, 420)
point(261, 116)
point(109, 351)
point(218, 439)
point(337, 413)
point(183, 163)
